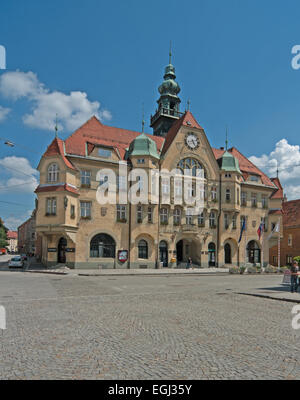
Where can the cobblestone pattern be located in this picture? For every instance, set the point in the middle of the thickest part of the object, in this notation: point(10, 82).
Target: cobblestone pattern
point(144, 328)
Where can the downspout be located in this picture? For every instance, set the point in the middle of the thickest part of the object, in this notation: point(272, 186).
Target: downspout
point(158, 219)
point(219, 217)
point(129, 225)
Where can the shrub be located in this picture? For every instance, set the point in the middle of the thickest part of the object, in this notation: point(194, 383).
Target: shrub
point(242, 269)
point(283, 269)
point(297, 259)
point(234, 270)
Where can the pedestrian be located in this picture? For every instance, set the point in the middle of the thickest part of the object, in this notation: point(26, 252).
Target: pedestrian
point(189, 263)
point(294, 277)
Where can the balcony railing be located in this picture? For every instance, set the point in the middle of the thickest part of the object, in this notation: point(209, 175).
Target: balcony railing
point(165, 111)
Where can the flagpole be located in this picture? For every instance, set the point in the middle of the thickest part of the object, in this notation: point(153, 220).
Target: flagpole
point(278, 246)
point(262, 249)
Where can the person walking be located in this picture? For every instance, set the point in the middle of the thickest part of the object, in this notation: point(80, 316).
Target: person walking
point(189, 263)
point(294, 277)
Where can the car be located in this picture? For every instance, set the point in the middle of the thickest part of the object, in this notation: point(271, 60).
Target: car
point(16, 262)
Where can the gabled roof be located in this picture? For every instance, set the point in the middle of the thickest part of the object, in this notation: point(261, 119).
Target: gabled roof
point(279, 193)
point(246, 166)
point(12, 235)
point(291, 213)
point(57, 148)
point(186, 120)
point(93, 131)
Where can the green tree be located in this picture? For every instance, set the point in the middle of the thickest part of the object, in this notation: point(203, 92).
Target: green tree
point(3, 232)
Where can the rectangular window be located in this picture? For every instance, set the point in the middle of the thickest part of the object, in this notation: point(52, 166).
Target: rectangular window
point(238, 196)
point(214, 193)
point(177, 216)
point(264, 203)
point(289, 260)
point(201, 219)
point(243, 198)
point(234, 221)
point(139, 214)
point(227, 196)
point(165, 185)
point(189, 216)
point(85, 209)
point(212, 220)
point(85, 177)
point(275, 260)
point(150, 215)
point(104, 153)
point(72, 213)
point(51, 206)
point(121, 213)
point(226, 221)
point(290, 240)
point(253, 200)
point(141, 161)
point(164, 216)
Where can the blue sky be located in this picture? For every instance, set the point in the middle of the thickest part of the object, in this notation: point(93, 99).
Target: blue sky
point(232, 60)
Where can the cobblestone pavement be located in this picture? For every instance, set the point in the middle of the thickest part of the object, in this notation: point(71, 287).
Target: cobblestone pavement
point(167, 327)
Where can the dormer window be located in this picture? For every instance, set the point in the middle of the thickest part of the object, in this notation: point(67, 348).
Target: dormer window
point(254, 178)
point(104, 153)
point(53, 173)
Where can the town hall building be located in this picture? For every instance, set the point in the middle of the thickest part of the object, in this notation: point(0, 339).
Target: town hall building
point(75, 230)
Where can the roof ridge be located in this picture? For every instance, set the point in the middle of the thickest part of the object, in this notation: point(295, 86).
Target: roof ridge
point(251, 163)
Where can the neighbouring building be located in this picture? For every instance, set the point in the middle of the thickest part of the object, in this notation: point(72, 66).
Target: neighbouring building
point(12, 238)
point(290, 234)
point(27, 235)
point(76, 230)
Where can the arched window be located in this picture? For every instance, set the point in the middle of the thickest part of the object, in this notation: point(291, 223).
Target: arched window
point(143, 249)
point(191, 164)
point(53, 173)
point(211, 254)
point(103, 245)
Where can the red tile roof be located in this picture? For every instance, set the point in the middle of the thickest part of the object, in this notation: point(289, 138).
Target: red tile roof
point(246, 166)
point(186, 120)
point(291, 213)
point(57, 148)
point(12, 235)
point(95, 133)
point(279, 193)
point(58, 188)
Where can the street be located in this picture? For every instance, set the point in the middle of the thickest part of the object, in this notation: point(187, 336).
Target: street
point(137, 327)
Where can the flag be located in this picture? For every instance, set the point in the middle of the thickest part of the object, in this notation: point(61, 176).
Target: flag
point(242, 230)
point(276, 229)
point(260, 230)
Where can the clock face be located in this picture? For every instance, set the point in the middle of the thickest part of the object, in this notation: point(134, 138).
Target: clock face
point(192, 141)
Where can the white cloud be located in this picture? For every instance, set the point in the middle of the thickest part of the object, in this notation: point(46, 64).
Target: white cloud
point(3, 113)
point(22, 177)
point(287, 158)
point(73, 109)
point(12, 221)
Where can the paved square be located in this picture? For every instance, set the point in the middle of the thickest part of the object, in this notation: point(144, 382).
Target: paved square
point(144, 327)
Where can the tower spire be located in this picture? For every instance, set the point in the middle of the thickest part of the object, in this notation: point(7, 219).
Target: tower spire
point(168, 102)
point(143, 120)
point(226, 141)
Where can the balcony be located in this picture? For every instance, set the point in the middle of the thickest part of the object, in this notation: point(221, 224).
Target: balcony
point(189, 228)
point(165, 112)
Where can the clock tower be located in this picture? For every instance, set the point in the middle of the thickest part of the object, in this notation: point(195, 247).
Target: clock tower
point(168, 103)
